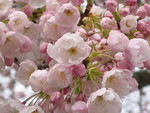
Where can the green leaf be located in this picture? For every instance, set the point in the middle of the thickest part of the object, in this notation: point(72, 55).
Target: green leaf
point(76, 91)
point(105, 32)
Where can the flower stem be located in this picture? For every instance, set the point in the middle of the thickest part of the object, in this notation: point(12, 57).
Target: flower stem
point(87, 11)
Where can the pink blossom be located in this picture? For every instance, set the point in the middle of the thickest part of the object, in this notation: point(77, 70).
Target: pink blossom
point(78, 70)
point(138, 51)
point(128, 23)
point(97, 10)
point(52, 6)
point(118, 80)
point(63, 1)
point(32, 109)
point(44, 18)
point(57, 99)
point(28, 10)
point(6, 5)
point(43, 47)
point(131, 2)
point(94, 35)
point(25, 44)
point(144, 27)
point(108, 23)
point(9, 61)
point(26, 68)
point(59, 77)
point(33, 31)
point(2, 37)
point(79, 107)
point(12, 44)
point(111, 5)
point(18, 21)
point(37, 3)
point(52, 31)
point(117, 41)
point(141, 12)
point(147, 8)
point(125, 11)
point(82, 32)
point(16, 43)
point(104, 101)
point(13, 106)
point(38, 79)
point(67, 15)
point(119, 56)
point(125, 63)
point(77, 2)
point(69, 49)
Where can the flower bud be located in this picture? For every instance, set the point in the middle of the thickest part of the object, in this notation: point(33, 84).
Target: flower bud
point(111, 5)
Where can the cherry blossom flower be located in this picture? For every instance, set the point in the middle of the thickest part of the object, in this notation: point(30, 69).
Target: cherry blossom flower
point(37, 3)
point(25, 70)
point(118, 80)
point(18, 21)
point(117, 41)
point(38, 79)
point(69, 49)
point(58, 77)
point(104, 101)
point(5, 5)
point(128, 23)
point(67, 15)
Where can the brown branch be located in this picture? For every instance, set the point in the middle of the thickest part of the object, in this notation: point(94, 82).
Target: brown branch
point(86, 13)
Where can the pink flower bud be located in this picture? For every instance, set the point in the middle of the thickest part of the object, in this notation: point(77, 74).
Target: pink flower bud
point(80, 97)
point(78, 70)
point(9, 61)
point(48, 60)
point(107, 23)
point(43, 47)
point(26, 44)
point(108, 14)
point(28, 10)
point(124, 11)
point(111, 5)
point(119, 56)
point(147, 8)
point(141, 12)
point(131, 2)
point(57, 99)
point(94, 36)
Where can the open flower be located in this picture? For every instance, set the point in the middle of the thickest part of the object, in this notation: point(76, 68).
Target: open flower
point(58, 77)
point(69, 49)
point(5, 6)
point(120, 81)
point(138, 51)
point(68, 15)
point(37, 3)
point(25, 70)
point(37, 80)
point(128, 23)
point(18, 21)
point(117, 41)
point(104, 101)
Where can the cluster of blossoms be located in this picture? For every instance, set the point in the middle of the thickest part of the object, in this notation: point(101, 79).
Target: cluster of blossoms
point(77, 59)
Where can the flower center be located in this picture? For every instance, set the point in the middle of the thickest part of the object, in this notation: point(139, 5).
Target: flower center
point(72, 51)
point(68, 12)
